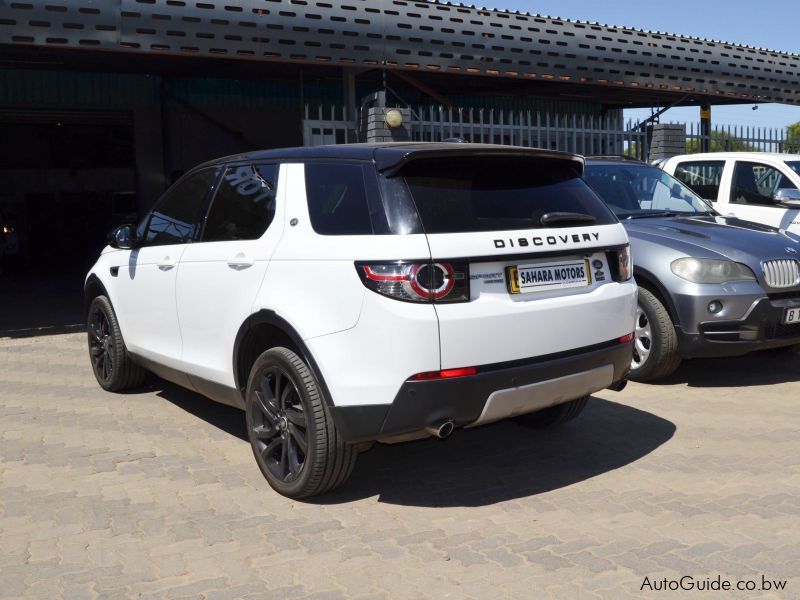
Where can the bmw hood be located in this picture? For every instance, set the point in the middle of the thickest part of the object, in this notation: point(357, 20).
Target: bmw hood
point(729, 237)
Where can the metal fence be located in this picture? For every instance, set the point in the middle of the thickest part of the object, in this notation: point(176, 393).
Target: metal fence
point(740, 138)
point(328, 125)
point(583, 134)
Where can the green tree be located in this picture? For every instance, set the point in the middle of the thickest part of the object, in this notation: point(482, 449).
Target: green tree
point(633, 151)
point(721, 141)
point(793, 138)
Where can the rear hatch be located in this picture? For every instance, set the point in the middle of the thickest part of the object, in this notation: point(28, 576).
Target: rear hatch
point(538, 248)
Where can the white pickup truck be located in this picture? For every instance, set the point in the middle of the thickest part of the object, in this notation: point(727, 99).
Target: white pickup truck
point(754, 186)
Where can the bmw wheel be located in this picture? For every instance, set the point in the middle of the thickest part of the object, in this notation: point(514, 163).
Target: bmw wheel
point(655, 347)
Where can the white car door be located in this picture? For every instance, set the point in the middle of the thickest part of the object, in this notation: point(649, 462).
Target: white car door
point(146, 275)
point(219, 277)
point(752, 186)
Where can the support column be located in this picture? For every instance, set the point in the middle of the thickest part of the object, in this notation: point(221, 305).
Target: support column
point(349, 96)
point(668, 141)
point(705, 128)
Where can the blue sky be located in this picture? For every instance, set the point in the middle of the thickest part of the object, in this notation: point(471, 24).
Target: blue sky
point(773, 24)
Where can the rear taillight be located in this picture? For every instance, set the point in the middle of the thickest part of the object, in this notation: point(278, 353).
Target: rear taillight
point(445, 374)
point(417, 281)
point(620, 262)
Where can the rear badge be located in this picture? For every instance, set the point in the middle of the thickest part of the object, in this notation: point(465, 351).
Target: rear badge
point(598, 274)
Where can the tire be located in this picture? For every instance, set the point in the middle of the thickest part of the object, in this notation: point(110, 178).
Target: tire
point(291, 431)
point(554, 416)
point(655, 347)
point(111, 363)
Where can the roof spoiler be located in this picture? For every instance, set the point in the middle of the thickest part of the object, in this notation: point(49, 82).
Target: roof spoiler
point(390, 164)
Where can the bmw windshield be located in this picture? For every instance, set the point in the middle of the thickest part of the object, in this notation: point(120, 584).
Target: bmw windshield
point(636, 191)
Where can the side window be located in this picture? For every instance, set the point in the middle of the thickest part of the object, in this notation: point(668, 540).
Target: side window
point(755, 183)
point(702, 177)
point(244, 204)
point(337, 199)
point(177, 216)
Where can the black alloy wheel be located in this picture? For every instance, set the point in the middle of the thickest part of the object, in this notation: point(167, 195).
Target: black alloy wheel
point(294, 439)
point(113, 367)
point(101, 345)
point(279, 427)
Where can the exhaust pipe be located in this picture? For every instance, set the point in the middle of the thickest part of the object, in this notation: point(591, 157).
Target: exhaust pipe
point(441, 430)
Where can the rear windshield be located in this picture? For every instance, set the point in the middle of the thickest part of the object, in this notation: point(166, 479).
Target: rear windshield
point(480, 193)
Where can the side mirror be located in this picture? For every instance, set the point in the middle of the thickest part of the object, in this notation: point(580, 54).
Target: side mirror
point(122, 237)
point(790, 198)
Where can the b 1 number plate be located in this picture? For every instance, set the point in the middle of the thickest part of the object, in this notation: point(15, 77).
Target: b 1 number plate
point(550, 276)
point(791, 316)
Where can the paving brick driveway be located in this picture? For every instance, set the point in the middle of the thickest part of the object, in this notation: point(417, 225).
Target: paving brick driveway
point(156, 493)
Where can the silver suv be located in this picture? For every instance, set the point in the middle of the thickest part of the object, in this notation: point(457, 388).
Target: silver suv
point(708, 285)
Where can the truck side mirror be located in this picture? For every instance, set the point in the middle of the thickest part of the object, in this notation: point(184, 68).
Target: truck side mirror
point(788, 197)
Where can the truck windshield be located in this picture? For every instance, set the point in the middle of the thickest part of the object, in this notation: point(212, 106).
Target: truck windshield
point(639, 190)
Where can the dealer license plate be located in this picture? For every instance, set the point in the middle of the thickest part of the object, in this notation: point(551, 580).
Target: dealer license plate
point(550, 276)
point(791, 316)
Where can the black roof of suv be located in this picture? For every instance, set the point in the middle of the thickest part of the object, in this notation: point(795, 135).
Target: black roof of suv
point(389, 157)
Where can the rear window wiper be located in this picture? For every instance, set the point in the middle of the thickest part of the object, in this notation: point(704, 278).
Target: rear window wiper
point(565, 217)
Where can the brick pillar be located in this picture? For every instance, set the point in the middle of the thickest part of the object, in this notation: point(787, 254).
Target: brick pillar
point(667, 141)
point(374, 124)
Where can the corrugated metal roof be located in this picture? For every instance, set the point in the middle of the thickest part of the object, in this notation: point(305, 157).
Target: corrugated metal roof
point(625, 27)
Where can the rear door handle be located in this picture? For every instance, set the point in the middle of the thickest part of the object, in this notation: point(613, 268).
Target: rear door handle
point(240, 261)
point(166, 263)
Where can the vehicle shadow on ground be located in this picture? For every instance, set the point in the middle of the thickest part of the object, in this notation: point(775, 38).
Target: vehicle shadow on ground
point(769, 367)
point(227, 418)
point(505, 461)
point(475, 467)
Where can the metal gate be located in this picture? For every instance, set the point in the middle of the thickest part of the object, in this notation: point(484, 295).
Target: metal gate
point(583, 134)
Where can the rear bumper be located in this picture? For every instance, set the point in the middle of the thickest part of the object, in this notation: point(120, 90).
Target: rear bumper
point(760, 329)
point(495, 392)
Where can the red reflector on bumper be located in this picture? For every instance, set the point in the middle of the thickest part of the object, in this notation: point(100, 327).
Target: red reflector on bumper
point(446, 374)
point(626, 338)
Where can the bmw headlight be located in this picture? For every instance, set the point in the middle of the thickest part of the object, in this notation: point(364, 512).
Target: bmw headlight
point(709, 270)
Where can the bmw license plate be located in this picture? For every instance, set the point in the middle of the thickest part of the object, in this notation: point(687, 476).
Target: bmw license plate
point(791, 316)
point(549, 276)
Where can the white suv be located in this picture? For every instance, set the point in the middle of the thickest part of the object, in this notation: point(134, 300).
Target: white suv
point(346, 294)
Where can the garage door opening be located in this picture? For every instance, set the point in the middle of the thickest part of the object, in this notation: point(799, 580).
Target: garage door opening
point(68, 178)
